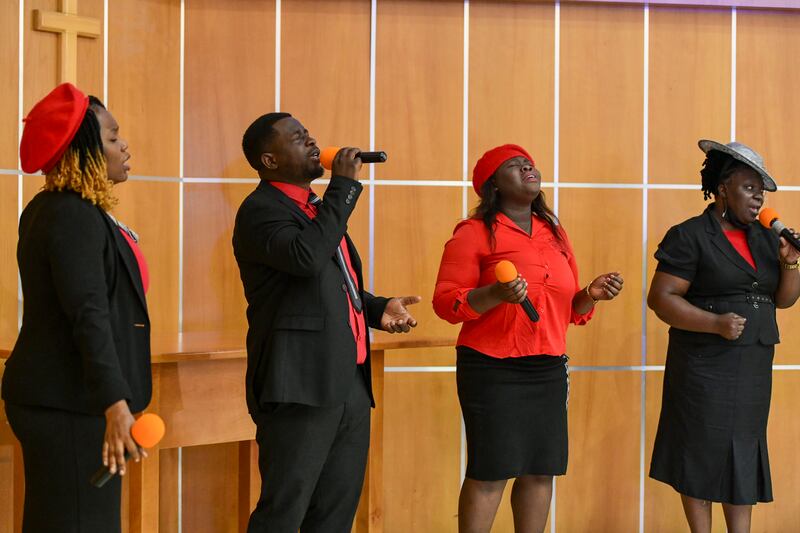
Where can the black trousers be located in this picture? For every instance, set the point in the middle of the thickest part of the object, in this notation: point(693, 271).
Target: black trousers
point(312, 462)
point(60, 452)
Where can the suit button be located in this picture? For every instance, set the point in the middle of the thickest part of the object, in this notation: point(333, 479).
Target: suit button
point(755, 284)
point(344, 287)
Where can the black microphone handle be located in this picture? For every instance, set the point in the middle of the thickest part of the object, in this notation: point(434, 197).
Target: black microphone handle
point(103, 474)
point(372, 157)
point(781, 229)
point(529, 310)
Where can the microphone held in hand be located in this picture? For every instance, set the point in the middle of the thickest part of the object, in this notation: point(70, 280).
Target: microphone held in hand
point(326, 156)
point(505, 272)
point(770, 220)
point(147, 431)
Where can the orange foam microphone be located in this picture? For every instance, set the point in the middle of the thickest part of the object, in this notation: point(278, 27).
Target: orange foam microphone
point(147, 431)
point(769, 219)
point(327, 154)
point(506, 272)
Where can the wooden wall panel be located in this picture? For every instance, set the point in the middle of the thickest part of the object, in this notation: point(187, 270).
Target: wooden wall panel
point(768, 77)
point(9, 83)
point(421, 466)
point(613, 336)
point(601, 93)
point(419, 89)
point(411, 228)
point(90, 52)
point(325, 69)
point(511, 82)
point(230, 81)
point(40, 51)
point(601, 488)
point(689, 93)
point(665, 208)
point(213, 298)
point(8, 259)
point(210, 488)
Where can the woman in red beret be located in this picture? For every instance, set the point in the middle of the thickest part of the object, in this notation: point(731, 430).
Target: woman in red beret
point(512, 373)
point(81, 363)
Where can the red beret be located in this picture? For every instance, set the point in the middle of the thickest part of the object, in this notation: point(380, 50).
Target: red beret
point(50, 127)
point(491, 160)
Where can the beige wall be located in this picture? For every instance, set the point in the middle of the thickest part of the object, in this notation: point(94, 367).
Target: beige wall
point(609, 99)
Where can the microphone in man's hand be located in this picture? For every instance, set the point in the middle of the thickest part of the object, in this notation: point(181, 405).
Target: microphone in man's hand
point(770, 220)
point(505, 272)
point(147, 431)
point(326, 156)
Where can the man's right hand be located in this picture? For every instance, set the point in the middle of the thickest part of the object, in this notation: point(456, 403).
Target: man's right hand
point(730, 326)
point(346, 164)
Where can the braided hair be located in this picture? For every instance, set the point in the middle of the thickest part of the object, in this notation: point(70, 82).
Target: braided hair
point(82, 168)
point(717, 168)
point(489, 207)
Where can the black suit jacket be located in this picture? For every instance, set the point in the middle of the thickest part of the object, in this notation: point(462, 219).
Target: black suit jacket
point(300, 345)
point(722, 281)
point(85, 337)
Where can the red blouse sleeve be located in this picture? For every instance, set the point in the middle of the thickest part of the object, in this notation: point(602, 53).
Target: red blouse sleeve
point(575, 318)
point(459, 273)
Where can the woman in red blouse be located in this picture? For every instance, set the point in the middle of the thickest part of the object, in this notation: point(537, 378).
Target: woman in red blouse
point(512, 373)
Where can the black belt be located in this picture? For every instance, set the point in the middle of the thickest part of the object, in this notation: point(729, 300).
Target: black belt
point(750, 298)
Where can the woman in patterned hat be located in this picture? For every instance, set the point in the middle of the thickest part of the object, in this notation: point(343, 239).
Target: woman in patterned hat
point(512, 373)
point(719, 278)
point(81, 363)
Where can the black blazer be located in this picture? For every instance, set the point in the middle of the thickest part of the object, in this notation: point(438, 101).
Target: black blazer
point(300, 345)
point(722, 281)
point(85, 337)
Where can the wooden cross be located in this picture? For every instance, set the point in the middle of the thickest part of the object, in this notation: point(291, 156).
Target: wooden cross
point(70, 26)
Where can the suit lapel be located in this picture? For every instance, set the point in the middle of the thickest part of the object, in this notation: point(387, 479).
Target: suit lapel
point(287, 202)
point(128, 259)
point(724, 245)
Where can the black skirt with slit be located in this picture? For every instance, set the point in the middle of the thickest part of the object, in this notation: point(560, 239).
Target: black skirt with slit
point(711, 442)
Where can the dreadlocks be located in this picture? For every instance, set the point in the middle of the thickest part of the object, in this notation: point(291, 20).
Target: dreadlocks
point(82, 168)
point(717, 168)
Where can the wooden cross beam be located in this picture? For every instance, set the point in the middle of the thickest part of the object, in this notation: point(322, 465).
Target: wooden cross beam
point(71, 26)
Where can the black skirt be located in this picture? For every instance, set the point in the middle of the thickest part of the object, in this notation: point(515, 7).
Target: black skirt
point(515, 414)
point(711, 442)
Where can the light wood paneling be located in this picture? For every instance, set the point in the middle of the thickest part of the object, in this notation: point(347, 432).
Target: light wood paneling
point(210, 488)
point(768, 75)
point(665, 208)
point(601, 489)
point(143, 82)
point(9, 83)
point(613, 336)
point(8, 257)
point(422, 356)
point(689, 93)
point(422, 443)
point(511, 62)
point(419, 89)
point(230, 81)
point(411, 228)
point(90, 51)
point(151, 210)
point(213, 298)
point(601, 93)
point(325, 69)
point(40, 52)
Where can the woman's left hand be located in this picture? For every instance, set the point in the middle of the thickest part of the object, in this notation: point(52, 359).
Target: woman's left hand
point(606, 286)
point(788, 253)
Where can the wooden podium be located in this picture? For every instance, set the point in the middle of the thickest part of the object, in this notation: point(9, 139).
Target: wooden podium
point(198, 389)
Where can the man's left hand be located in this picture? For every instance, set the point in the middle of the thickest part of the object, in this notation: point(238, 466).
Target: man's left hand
point(396, 318)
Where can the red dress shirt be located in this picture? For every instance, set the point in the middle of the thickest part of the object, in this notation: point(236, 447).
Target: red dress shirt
point(547, 264)
point(299, 196)
point(738, 238)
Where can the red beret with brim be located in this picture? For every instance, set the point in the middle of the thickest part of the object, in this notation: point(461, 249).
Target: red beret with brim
point(50, 127)
point(491, 160)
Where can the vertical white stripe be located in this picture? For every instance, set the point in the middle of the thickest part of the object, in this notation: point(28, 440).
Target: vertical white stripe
point(105, 52)
point(645, 181)
point(373, 32)
point(21, 115)
point(556, 112)
point(733, 73)
point(277, 55)
point(180, 163)
point(180, 490)
point(463, 453)
point(553, 507)
point(465, 115)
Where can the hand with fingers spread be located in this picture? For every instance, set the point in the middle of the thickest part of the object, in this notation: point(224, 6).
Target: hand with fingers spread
point(118, 440)
point(606, 286)
point(396, 318)
point(346, 163)
point(513, 292)
point(730, 326)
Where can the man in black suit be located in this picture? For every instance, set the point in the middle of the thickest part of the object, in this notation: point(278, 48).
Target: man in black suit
point(308, 368)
